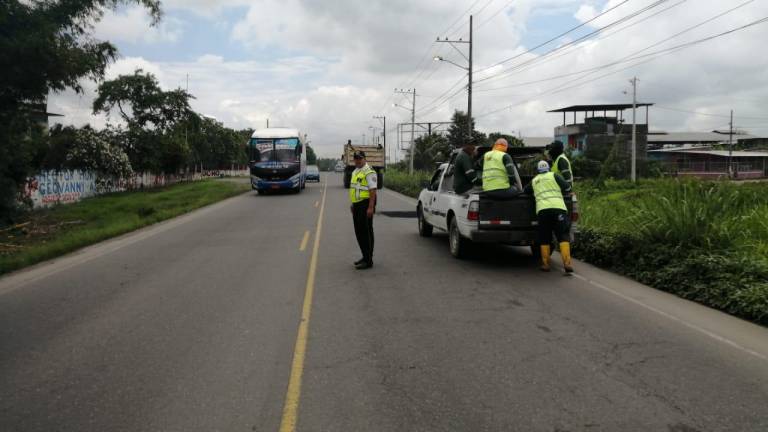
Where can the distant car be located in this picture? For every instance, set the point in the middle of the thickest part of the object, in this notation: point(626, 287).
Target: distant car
point(339, 167)
point(313, 173)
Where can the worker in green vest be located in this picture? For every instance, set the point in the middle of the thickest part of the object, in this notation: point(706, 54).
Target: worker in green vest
point(362, 195)
point(548, 188)
point(560, 163)
point(498, 167)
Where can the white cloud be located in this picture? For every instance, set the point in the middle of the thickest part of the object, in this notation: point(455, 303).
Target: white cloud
point(336, 64)
point(134, 25)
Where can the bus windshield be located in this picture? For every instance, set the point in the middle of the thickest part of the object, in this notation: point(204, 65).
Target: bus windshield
point(276, 149)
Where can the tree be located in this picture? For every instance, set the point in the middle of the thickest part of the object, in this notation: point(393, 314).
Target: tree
point(142, 103)
point(430, 149)
point(511, 140)
point(457, 132)
point(311, 156)
point(44, 46)
point(157, 120)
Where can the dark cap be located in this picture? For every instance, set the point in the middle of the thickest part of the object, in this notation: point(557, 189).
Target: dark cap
point(359, 154)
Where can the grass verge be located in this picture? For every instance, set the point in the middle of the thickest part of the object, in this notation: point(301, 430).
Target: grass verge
point(405, 183)
point(48, 233)
point(703, 241)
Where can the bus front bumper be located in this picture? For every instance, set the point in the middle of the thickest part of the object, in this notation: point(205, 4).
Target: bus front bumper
point(261, 184)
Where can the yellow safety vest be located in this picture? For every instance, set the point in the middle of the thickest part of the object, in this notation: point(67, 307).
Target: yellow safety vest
point(494, 172)
point(358, 186)
point(547, 192)
point(556, 168)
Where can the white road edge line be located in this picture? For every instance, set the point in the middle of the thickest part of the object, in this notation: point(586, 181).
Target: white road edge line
point(673, 318)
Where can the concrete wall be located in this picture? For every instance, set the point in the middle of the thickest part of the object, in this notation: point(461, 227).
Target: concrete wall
point(63, 187)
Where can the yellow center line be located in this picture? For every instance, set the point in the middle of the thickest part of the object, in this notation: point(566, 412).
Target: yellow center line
point(304, 241)
point(291, 407)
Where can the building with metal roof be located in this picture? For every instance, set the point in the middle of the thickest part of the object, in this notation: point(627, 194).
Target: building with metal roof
point(708, 163)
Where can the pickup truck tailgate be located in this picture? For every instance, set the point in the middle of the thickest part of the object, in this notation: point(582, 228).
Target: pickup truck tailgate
point(512, 213)
point(517, 213)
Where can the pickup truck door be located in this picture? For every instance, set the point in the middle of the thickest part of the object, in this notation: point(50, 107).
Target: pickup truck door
point(430, 196)
point(444, 198)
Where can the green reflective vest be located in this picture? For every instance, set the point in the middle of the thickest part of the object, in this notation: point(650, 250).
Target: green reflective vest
point(556, 169)
point(547, 192)
point(494, 172)
point(358, 186)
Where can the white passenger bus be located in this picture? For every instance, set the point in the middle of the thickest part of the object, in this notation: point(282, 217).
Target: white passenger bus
point(278, 159)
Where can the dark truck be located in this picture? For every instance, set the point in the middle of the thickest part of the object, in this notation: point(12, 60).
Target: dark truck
point(476, 218)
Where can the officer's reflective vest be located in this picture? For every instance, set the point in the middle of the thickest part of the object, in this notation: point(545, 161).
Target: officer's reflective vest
point(494, 172)
point(556, 169)
point(547, 192)
point(358, 186)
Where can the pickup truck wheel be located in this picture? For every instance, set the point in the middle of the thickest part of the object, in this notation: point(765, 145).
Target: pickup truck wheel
point(425, 229)
point(458, 244)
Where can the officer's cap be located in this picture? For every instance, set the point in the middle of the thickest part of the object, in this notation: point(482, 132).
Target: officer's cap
point(359, 154)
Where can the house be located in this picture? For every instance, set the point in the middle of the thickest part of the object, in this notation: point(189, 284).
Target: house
point(602, 127)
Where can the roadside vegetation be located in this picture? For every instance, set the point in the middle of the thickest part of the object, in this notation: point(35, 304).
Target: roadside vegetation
point(704, 241)
point(48, 233)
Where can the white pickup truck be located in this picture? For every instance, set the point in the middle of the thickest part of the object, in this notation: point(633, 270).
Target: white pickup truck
point(475, 218)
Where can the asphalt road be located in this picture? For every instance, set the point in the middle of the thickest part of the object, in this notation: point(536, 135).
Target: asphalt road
point(194, 325)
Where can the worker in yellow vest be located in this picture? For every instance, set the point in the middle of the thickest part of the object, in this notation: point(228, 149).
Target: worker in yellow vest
point(362, 195)
point(560, 163)
point(498, 167)
point(548, 188)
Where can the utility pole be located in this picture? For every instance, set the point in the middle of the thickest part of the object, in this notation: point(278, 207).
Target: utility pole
point(384, 118)
point(186, 126)
point(267, 122)
point(730, 147)
point(634, 128)
point(468, 69)
point(411, 92)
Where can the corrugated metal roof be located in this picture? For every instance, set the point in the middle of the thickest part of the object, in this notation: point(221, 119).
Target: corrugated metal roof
point(693, 137)
point(601, 107)
point(719, 153)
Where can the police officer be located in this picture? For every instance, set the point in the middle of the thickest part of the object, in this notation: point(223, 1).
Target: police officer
point(560, 163)
point(362, 194)
point(548, 188)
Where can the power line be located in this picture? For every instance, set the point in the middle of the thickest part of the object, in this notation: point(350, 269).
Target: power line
point(506, 5)
point(652, 56)
point(578, 47)
point(517, 67)
point(707, 114)
point(635, 56)
point(554, 38)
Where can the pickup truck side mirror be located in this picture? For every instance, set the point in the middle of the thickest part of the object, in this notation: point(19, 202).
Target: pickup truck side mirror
point(424, 184)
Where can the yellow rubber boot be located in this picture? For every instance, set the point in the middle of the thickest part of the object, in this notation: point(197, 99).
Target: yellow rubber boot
point(545, 258)
point(565, 252)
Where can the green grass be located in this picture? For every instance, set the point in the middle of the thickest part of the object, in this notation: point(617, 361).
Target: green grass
point(405, 183)
point(48, 233)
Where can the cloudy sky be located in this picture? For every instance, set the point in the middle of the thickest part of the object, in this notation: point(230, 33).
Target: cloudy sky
point(327, 67)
